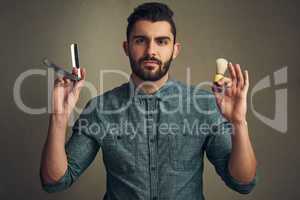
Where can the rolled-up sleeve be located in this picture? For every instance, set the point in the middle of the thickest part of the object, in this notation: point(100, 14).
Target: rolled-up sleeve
point(81, 150)
point(218, 149)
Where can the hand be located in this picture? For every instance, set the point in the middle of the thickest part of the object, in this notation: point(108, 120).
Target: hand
point(232, 99)
point(66, 93)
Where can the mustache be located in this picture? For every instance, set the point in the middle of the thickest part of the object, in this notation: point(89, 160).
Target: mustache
point(149, 58)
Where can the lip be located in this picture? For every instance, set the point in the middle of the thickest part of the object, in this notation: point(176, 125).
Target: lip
point(148, 61)
point(149, 67)
point(150, 64)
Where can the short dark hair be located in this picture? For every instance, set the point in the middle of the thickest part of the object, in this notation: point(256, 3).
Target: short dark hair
point(152, 11)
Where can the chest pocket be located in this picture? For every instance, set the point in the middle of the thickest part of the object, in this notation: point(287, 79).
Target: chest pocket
point(185, 151)
point(120, 153)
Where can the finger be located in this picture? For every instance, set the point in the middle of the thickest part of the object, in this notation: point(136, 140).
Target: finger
point(217, 89)
point(59, 81)
point(232, 73)
point(223, 90)
point(74, 71)
point(83, 73)
point(226, 86)
point(224, 81)
point(246, 77)
point(240, 78)
point(66, 80)
point(218, 95)
point(79, 84)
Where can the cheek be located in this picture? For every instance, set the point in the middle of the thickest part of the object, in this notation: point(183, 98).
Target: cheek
point(136, 52)
point(166, 55)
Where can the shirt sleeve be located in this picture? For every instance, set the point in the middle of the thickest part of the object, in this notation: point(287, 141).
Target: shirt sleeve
point(218, 148)
point(81, 149)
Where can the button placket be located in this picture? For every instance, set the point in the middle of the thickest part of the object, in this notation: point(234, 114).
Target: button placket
point(151, 131)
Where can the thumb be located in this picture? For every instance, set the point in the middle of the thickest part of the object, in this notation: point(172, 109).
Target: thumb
point(218, 93)
point(79, 84)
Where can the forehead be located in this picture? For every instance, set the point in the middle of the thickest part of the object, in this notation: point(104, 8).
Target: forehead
point(152, 29)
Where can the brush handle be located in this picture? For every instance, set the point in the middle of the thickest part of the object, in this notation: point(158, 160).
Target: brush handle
point(60, 70)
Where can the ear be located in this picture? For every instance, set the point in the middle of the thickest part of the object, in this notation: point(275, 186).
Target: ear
point(125, 47)
point(177, 48)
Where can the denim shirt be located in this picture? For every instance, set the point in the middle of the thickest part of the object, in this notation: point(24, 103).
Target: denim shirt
point(153, 145)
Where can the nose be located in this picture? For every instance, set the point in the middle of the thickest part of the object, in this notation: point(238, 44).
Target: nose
point(151, 49)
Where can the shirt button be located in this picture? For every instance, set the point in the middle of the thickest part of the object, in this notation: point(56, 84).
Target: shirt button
point(152, 140)
point(152, 168)
point(154, 198)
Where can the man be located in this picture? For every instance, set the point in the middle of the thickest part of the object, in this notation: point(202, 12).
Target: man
point(146, 127)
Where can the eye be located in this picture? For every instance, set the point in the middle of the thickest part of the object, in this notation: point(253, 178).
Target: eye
point(139, 40)
point(163, 42)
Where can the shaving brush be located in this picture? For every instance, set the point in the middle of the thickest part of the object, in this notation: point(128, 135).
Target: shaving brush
point(222, 65)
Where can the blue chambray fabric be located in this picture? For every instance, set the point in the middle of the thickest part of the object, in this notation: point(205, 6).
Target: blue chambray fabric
point(153, 145)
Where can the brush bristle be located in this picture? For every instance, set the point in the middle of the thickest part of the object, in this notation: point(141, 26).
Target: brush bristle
point(221, 65)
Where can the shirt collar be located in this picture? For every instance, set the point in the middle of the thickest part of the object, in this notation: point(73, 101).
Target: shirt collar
point(171, 87)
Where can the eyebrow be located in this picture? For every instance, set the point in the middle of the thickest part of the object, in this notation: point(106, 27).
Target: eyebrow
point(157, 38)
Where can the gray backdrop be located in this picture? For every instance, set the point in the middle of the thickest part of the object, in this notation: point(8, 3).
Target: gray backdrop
point(262, 36)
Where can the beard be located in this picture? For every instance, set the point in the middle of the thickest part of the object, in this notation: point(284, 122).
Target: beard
point(146, 75)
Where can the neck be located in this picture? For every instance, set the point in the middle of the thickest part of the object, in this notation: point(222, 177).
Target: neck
point(149, 87)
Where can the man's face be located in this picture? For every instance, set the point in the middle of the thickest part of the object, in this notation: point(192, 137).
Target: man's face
point(150, 49)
